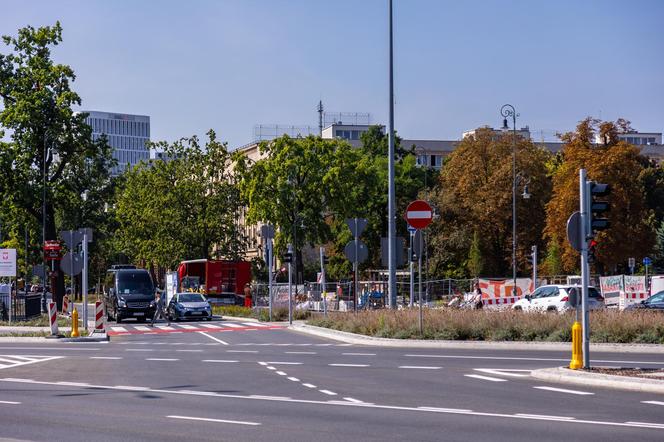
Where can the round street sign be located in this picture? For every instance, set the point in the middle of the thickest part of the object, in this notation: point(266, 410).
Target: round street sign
point(419, 214)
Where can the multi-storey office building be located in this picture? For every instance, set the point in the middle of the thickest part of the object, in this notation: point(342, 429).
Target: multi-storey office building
point(127, 134)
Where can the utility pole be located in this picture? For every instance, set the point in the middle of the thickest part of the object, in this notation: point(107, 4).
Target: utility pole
point(391, 209)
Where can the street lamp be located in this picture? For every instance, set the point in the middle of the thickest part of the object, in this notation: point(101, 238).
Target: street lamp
point(508, 111)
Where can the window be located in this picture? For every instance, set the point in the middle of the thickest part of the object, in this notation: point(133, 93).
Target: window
point(355, 135)
point(651, 140)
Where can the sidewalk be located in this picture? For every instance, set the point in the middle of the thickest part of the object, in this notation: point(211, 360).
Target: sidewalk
point(352, 338)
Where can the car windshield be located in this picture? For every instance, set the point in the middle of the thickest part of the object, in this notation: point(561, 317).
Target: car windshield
point(191, 297)
point(657, 297)
point(135, 283)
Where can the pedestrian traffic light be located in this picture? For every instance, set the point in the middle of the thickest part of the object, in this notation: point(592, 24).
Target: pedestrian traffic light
point(598, 208)
point(288, 257)
point(326, 259)
point(592, 246)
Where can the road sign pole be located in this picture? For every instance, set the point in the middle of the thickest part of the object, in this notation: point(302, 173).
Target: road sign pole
point(84, 279)
point(419, 288)
point(357, 265)
point(270, 266)
point(584, 230)
point(412, 269)
point(323, 292)
point(290, 287)
point(534, 268)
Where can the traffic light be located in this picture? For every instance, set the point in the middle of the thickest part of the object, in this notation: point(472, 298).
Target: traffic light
point(326, 259)
point(288, 257)
point(598, 208)
point(592, 246)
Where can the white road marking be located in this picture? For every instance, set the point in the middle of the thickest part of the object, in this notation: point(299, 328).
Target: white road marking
point(291, 378)
point(280, 373)
point(10, 403)
point(213, 326)
point(328, 392)
point(222, 421)
point(241, 351)
point(445, 410)
point(507, 358)
point(538, 416)
point(106, 357)
point(653, 402)
point(258, 396)
point(484, 378)
point(25, 360)
point(164, 327)
point(504, 372)
point(562, 390)
point(161, 359)
point(285, 363)
point(213, 338)
point(419, 367)
point(219, 360)
point(355, 401)
point(142, 328)
point(300, 352)
point(118, 329)
point(262, 363)
point(350, 404)
point(73, 384)
point(271, 368)
point(191, 351)
point(646, 424)
point(59, 347)
point(348, 365)
point(322, 345)
point(187, 326)
point(139, 349)
point(232, 325)
point(254, 324)
point(309, 385)
point(359, 354)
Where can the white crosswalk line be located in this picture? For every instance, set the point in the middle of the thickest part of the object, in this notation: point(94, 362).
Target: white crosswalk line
point(142, 328)
point(187, 327)
point(213, 326)
point(164, 327)
point(232, 325)
point(485, 378)
point(118, 329)
point(254, 324)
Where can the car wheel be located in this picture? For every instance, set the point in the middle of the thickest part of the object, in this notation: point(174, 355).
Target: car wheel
point(518, 308)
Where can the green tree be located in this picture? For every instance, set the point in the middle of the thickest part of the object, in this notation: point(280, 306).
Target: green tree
point(183, 208)
point(475, 257)
point(614, 162)
point(552, 262)
point(47, 137)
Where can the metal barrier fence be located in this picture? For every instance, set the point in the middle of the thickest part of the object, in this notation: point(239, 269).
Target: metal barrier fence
point(23, 307)
point(371, 294)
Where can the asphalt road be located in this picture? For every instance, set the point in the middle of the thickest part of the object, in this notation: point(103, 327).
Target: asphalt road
point(239, 382)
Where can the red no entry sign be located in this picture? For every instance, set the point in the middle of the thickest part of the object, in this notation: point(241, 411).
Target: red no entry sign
point(419, 214)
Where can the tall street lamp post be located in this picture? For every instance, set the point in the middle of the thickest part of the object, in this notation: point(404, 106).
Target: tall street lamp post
point(508, 111)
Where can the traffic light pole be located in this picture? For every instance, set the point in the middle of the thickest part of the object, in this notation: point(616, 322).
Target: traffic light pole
point(270, 266)
point(585, 232)
point(322, 280)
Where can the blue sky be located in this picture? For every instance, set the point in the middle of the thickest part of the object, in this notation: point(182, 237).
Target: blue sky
point(228, 65)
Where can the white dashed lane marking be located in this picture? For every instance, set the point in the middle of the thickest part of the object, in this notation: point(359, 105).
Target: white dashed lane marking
point(419, 367)
point(162, 359)
point(348, 365)
point(653, 402)
point(484, 378)
point(219, 360)
point(563, 390)
point(220, 421)
point(359, 354)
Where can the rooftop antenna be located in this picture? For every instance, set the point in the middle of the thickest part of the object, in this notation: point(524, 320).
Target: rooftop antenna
point(320, 117)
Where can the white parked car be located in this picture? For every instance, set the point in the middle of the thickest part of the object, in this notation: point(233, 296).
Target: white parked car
point(558, 298)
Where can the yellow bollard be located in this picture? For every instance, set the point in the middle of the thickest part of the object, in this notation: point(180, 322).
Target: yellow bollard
point(74, 324)
point(577, 353)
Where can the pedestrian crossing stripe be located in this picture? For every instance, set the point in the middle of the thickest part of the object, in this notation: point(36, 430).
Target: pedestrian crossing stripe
point(183, 328)
point(10, 361)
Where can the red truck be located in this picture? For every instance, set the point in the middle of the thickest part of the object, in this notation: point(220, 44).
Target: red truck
point(221, 281)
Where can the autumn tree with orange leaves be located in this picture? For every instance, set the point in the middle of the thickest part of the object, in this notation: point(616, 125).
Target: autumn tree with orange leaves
point(610, 161)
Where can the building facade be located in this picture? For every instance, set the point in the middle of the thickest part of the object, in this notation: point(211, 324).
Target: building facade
point(127, 134)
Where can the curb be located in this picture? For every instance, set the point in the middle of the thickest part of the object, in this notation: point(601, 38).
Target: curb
point(102, 337)
point(352, 338)
point(564, 375)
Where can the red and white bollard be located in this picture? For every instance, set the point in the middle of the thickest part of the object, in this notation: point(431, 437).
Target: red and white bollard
point(65, 305)
point(53, 318)
point(99, 318)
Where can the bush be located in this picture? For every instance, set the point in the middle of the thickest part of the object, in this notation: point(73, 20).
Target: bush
point(507, 325)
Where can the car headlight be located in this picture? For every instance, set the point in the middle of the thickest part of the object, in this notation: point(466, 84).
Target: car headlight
point(152, 303)
point(122, 303)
